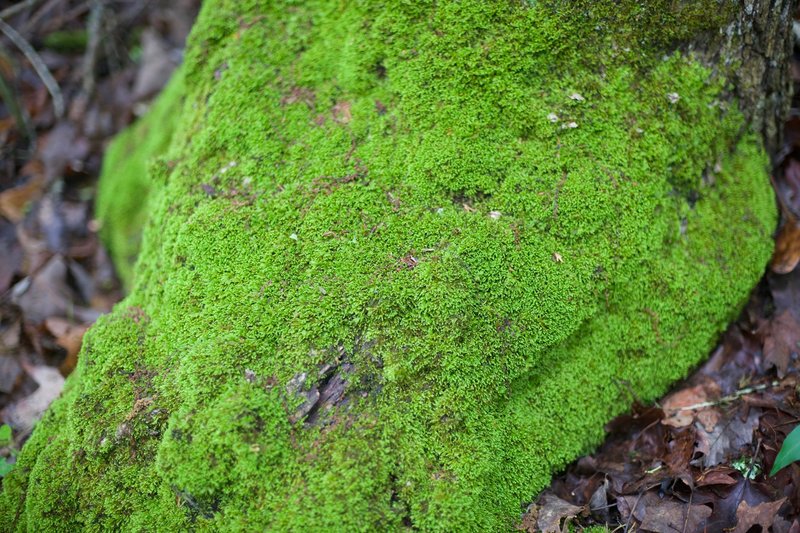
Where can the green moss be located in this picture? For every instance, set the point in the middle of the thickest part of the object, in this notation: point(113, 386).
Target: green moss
point(381, 188)
point(68, 41)
point(122, 199)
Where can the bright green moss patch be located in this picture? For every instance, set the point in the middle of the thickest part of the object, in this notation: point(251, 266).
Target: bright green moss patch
point(439, 221)
point(122, 203)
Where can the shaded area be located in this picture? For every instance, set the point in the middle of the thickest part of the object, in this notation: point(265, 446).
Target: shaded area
point(72, 74)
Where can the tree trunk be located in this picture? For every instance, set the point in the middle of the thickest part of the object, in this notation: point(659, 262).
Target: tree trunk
point(404, 260)
point(755, 49)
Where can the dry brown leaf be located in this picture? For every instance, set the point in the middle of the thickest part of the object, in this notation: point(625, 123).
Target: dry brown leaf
point(679, 452)
point(632, 507)
point(14, 200)
point(763, 515)
point(669, 516)
point(24, 413)
point(12, 254)
point(709, 417)
point(726, 439)
point(781, 340)
point(300, 94)
point(528, 521)
point(62, 147)
point(787, 248)
point(10, 372)
point(675, 405)
point(716, 476)
point(45, 293)
point(69, 336)
point(552, 511)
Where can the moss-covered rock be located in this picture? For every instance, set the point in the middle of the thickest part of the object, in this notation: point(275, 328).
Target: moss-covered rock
point(401, 261)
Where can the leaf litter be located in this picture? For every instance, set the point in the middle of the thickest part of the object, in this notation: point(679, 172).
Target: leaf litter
point(56, 278)
point(699, 459)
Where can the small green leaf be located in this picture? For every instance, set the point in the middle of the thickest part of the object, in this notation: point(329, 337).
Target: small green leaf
point(789, 452)
point(5, 467)
point(5, 435)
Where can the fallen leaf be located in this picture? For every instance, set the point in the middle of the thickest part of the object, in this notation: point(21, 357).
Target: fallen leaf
point(785, 290)
point(787, 182)
point(24, 413)
point(787, 247)
point(552, 511)
point(669, 516)
point(14, 200)
point(156, 65)
point(632, 507)
point(726, 439)
point(679, 451)
point(763, 515)
point(45, 293)
point(709, 417)
point(12, 254)
point(69, 336)
point(640, 417)
point(781, 341)
point(678, 405)
point(726, 504)
point(528, 521)
point(81, 281)
point(722, 475)
point(300, 94)
point(10, 372)
point(64, 147)
point(598, 503)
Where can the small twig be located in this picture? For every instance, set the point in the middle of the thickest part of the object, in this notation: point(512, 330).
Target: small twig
point(609, 506)
point(46, 10)
point(725, 399)
point(688, 511)
point(633, 509)
point(90, 57)
point(38, 66)
point(59, 21)
point(16, 8)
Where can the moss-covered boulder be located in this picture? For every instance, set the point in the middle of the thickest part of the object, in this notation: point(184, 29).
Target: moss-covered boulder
point(401, 261)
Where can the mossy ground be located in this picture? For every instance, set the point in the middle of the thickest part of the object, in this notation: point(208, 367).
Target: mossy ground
point(384, 188)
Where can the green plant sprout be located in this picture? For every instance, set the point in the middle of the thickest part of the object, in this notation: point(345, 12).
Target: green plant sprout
point(789, 452)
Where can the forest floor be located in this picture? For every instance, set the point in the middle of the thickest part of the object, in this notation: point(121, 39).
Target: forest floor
point(75, 72)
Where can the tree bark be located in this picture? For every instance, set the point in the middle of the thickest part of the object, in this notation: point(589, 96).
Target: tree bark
point(757, 44)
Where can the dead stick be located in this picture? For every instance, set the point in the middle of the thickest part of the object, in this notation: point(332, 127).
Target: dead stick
point(90, 57)
point(736, 395)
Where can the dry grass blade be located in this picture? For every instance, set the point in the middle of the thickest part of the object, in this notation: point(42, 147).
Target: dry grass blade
point(38, 65)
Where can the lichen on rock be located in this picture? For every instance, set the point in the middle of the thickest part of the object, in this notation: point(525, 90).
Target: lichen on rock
point(393, 272)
